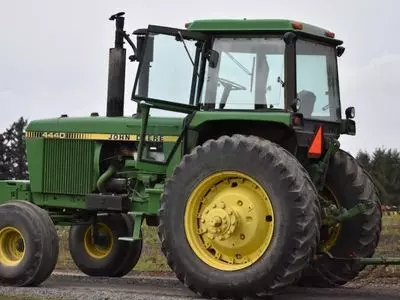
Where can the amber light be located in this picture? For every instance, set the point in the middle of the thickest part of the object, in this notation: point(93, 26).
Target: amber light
point(330, 34)
point(297, 25)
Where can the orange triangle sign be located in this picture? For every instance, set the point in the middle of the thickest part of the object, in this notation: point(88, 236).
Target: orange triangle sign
point(315, 149)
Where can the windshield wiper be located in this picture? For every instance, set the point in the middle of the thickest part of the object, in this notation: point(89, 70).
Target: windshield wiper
point(251, 74)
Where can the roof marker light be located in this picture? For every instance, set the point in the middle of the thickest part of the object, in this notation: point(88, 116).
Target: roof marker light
point(330, 34)
point(297, 25)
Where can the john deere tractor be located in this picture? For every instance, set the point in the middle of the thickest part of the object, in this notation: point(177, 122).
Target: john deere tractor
point(233, 154)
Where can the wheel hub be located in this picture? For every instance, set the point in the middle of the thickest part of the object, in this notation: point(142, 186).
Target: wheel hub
point(103, 245)
point(229, 221)
point(219, 221)
point(12, 246)
point(329, 234)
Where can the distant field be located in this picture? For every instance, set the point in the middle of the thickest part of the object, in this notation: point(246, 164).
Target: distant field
point(152, 259)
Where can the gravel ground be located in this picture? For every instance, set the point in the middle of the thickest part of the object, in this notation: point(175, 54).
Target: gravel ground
point(76, 286)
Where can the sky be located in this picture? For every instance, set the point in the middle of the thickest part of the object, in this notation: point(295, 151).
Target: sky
point(54, 54)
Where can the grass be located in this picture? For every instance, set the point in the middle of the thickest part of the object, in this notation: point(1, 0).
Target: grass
point(153, 260)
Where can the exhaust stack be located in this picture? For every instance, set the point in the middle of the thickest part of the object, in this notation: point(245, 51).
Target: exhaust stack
point(116, 70)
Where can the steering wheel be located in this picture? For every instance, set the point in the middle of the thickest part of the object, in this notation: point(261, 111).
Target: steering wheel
point(233, 85)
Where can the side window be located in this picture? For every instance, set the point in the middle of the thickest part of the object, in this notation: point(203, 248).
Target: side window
point(312, 85)
point(317, 81)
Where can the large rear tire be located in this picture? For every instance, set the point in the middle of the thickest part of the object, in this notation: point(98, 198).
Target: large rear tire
point(239, 217)
point(347, 184)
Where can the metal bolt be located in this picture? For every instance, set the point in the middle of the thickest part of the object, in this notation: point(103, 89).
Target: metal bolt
point(268, 218)
point(222, 205)
point(240, 203)
point(214, 205)
point(242, 236)
point(238, 256)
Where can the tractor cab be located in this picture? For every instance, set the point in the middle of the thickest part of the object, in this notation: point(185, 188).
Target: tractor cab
point(241, 65)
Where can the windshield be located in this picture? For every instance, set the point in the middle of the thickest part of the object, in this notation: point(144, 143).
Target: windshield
point(249, 74)
point(317, 81)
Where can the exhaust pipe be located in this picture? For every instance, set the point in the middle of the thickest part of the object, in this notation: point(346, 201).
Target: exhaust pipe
point(116, 70)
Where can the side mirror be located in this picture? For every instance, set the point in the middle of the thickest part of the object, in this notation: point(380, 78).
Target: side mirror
point(350, 112)
point(340, 51)
point(213, 58)
point(145, 48)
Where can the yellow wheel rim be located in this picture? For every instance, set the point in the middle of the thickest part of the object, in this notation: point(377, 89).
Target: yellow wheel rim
point(333, 231)
point(229, 221)
point(102, 250)
point(12, 246)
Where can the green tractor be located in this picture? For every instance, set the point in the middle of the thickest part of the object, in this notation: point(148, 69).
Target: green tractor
point(233, 155)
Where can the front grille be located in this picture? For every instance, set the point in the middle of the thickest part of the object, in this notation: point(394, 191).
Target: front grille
point(68, 166)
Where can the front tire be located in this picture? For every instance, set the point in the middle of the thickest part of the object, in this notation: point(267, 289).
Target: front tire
point(258, 214)
point(132, 252)
point(99, 259)
point(28, 244)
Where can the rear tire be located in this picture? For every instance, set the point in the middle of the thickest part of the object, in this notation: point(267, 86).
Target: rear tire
point(358, 236)
point(244, 169)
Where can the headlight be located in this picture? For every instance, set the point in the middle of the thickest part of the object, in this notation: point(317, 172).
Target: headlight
point(350, 112)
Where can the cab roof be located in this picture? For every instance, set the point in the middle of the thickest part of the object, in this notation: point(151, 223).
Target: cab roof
point(265, 25)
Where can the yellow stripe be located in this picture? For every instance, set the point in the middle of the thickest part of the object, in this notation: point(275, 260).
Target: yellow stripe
point(99, 136)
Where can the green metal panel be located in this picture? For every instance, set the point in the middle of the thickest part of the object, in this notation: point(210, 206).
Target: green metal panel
point(68, 166)
point(34, 150)
point(118, 125)
point(14, 190)
point(204, 116)
point(251, 25)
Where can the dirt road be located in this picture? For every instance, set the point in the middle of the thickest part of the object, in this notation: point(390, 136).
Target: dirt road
point(76, 286)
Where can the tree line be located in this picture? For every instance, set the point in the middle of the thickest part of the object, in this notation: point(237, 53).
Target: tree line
point(383, 164)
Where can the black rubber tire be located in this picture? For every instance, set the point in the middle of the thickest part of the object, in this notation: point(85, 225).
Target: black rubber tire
point(133, 251)
point(34, 267)
point(52, 241)
point(295, 204)
point(104, 267)
point(359, 236)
